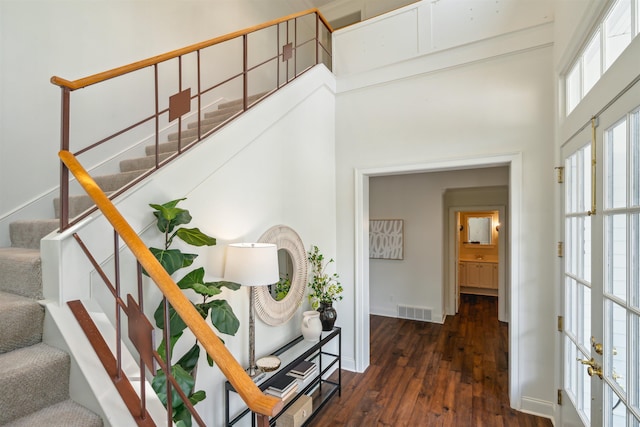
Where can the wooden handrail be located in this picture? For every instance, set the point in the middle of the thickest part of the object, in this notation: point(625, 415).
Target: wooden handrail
point(115, 72)
point(255, 399)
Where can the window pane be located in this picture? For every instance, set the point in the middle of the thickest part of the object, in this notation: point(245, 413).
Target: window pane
point(634, 362)
point(571, 179)
point(616, 268)
point(634, 260)
point(573, 88)
point(571, 370)
point(591, 64)
point(616, 339)
point(615, 411)
point(586, 249)
point(570, 309)
point(616, 175)
point(617, 31)
point(634, 135)
point(586, 178)
point(585, 318)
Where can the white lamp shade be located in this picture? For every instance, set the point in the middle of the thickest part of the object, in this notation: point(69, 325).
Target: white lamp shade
point(252, 264)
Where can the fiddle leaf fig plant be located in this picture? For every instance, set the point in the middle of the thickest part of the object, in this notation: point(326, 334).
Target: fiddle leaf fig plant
point(169, 219)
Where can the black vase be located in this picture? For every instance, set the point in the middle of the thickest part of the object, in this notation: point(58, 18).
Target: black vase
point(328, 316)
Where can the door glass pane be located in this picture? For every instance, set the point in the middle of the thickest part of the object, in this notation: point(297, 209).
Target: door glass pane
point(615, 412)
point(634, 136)
point(616, 339)
point(616, 153)
point(634, 260)
point(616, 268)
point(585, 317)
point(617, 31)
point(584, 405)
point(634, 362)
point(586, 178)
point(591, 63)
point(571, 370)
point(570, 308)
point(586, 248)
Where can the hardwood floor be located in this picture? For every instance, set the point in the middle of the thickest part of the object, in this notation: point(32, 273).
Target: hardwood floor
point(426, 374)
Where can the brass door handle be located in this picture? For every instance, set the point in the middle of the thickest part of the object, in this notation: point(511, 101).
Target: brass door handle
point(593, 368)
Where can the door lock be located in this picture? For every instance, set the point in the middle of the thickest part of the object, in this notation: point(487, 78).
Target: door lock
point(596, 346)
point(593, 368)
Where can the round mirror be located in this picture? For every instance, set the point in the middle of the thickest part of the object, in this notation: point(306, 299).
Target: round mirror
point(277, 303)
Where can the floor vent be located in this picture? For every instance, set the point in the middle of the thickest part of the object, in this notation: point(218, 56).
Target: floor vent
point(414, 313)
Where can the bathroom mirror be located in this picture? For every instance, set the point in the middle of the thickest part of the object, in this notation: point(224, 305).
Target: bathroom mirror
point(479, 229)
point(292, 260)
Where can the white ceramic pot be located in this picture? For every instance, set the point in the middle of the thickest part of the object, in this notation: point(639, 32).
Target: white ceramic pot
point(311, 325)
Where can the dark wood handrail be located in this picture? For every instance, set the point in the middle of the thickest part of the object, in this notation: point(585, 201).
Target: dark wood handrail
point(265, 406)
point(125, 69)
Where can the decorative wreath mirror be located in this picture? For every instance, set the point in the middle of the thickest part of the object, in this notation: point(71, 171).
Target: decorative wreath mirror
point(276, 304)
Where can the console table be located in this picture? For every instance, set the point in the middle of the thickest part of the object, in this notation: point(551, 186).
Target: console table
point(319, 387)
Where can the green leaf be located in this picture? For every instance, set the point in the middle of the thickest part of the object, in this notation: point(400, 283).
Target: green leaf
point(184, 379)
point(168, 216)
point(190, 358)
point(162, 351)
point(182, 416)
point(172, 260)
point(198, 396)
point(195, 280)
point(176, 324)
point(195, 237)
point(223, 318)
point(224, 284)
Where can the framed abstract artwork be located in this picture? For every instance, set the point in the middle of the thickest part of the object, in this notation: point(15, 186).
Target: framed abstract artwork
point(386, 239)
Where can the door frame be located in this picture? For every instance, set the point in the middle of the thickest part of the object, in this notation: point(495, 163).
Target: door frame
point(361, 273)
point(452, 292)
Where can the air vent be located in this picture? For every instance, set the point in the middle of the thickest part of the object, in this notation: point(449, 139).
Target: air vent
point(414, 313)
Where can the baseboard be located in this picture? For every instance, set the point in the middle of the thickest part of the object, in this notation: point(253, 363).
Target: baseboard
point(541, 408)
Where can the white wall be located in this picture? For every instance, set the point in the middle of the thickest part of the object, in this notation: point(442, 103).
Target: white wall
point(484, 99)
point(275, 165)
point(418, 280)
point(75, 39)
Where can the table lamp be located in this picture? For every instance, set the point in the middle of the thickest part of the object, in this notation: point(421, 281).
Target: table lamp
point(252, 264)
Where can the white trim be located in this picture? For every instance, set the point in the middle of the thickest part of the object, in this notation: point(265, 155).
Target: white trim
point(361, 279)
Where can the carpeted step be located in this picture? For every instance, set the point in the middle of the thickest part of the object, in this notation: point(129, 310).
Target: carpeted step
point(217, 117)
point(142, 163)
point(113, 182)
point(21, 272)
point(77, 205)
point(32, 378)
point(21, 319)
point(168, 147)
point(190, 133)
point(28, 233)
point(64, 414)
point(238, 102)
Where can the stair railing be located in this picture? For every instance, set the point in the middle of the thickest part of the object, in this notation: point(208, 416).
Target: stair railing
point(295, 43)
point(140, 330)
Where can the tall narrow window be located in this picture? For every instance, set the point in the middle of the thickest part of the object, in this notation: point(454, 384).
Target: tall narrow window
point(591, 64)
point(617, 31)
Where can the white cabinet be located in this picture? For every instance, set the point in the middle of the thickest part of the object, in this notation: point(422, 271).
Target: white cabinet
point(478, 275)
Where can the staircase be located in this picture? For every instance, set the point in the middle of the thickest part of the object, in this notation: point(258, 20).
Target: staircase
point(35, 376)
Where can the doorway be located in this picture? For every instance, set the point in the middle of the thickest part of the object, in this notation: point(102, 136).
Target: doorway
point(361, 275)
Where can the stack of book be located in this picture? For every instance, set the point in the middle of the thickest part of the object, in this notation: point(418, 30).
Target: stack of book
point(282, 387)
point(303, 372)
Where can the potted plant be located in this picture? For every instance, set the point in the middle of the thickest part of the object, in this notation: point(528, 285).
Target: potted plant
point(325, 288)
point(169, 219)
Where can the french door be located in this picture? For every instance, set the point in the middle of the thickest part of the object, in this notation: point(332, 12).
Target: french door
point(601, 274)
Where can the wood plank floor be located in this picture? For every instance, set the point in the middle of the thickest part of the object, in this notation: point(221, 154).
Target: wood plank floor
point(426, 374)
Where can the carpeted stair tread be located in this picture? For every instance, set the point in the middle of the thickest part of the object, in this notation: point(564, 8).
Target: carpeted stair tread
point(168, 147)
point(116, 181)
point(21, 319)
point(216, 117)
point(28, 233)
point(32, 378)
point(63, 414)
point(21, 272)
point(77, 204)
point(142, 163)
